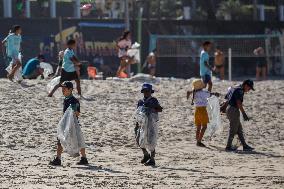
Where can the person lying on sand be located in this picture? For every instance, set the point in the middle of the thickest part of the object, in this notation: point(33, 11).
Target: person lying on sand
point(151, 106)
point(67, 88)
point(199, 99)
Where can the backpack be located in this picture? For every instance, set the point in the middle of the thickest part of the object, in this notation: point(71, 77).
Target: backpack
point(224, 105)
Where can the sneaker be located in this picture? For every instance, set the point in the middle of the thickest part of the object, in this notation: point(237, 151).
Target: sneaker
point(248, 148)
point(200, 144)
point(145, 159)
point(83, 161)
point(150, 163)
point(55, 162)
point(230, 149)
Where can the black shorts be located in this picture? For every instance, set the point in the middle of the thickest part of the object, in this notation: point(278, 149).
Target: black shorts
point(68, 76)
point(261, 64)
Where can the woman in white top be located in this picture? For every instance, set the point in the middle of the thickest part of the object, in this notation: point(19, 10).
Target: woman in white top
point(123, 44)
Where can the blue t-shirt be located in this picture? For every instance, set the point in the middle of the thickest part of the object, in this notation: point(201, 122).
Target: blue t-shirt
point(204, 57)
point(13, 43)
point(67, 64)
point(31, 65)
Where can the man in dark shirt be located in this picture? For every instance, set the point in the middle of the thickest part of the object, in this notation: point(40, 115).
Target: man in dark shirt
point(151, 105)
point(70, 100)
point(235, 100)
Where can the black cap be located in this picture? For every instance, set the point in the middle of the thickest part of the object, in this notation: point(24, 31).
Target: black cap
point(249, 83)
point(67, 84)
point(40, 56)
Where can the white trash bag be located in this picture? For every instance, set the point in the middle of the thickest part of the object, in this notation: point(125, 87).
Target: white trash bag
point(134, 52)
point(147, 134)
point(18, 74)
point(69, 133)
point(47, 69)
point(213, 108)
point(55, 81)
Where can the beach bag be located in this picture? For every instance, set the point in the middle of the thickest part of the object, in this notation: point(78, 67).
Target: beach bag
point(69, 133)
point(213, 109)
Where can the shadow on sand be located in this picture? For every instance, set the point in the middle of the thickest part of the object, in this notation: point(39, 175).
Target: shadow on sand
point(222, 149)
point(98, 169)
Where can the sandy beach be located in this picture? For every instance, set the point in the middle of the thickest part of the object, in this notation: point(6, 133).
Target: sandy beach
point(29, 119)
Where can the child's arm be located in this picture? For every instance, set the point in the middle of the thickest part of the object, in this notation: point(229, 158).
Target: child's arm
point(188, 94)
point(158, 109)
point(77, 114)
point(208, 65)
point(75, 60)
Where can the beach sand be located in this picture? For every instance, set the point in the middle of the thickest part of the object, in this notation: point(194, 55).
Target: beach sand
point(29, 119)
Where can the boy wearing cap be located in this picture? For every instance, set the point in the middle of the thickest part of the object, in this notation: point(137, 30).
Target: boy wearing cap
point(152, 105)
point(205, 68)
point(69, 67)
point(234, 99)
point(70, 100)
point(200, 102)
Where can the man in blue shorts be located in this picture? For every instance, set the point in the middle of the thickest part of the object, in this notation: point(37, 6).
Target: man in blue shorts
point(205, 68)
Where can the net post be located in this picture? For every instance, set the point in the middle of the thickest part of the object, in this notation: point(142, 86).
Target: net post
point(230, 63)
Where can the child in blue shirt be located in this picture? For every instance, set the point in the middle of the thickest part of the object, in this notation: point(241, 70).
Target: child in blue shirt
point(205, 68)
point(13, 46)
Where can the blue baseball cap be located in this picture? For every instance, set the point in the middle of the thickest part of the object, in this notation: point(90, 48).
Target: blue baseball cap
point(147, 86)
point(249, 83)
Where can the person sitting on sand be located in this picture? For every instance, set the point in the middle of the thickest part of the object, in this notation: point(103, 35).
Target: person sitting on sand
point(70, 100)
point(234, 101)
point(152, 106)
point(69, 68)
point(199, 99)
point(32, 68)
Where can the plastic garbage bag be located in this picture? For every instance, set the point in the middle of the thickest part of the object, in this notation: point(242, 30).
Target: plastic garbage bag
point(147, 133)
point(134, 52)
point(18, 74)
point(47, 69)
point(69, 133)
point(213, 109)
point(52, 83)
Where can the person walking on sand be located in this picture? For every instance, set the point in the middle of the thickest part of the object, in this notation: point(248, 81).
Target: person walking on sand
point(200, 102)
point(69, 68)
point(123, 44)
point(69, 100)
point(13, 44)
point(205, 68)
point(219, 62)
point(149, 132)
point(234, 102)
